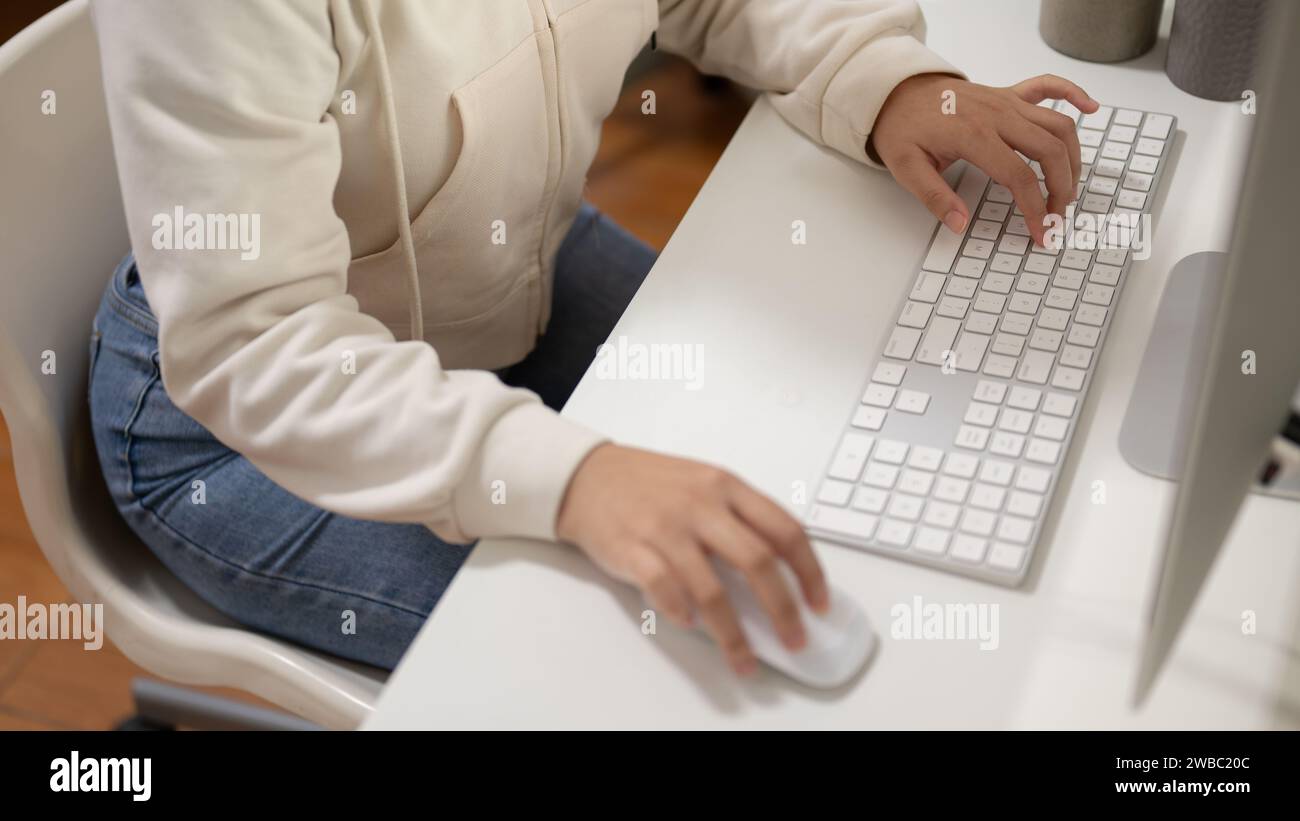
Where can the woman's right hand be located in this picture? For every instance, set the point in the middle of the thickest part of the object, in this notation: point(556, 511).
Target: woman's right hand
point(654, 520)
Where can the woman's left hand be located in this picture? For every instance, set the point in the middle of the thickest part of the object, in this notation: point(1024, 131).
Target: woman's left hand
point(930, 121)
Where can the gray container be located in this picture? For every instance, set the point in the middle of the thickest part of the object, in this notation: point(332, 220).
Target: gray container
point(1100, 31)
point(1213, 46)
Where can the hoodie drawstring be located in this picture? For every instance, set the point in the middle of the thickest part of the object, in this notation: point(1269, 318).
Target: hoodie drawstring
point(399, 174)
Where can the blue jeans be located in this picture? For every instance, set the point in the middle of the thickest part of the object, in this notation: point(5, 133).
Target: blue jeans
point(271, 561)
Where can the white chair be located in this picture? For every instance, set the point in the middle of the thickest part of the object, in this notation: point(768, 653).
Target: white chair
point(61, 232)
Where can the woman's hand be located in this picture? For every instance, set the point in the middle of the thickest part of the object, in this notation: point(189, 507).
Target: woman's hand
point(653, 521)
point(922, 129)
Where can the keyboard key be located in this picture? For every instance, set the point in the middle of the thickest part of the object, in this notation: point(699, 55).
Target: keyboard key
point(1045, 340)
point(1122, 134)
point(1144, 164)
point(978, 248)
point(961, 465)
point(1097, 119)
point(1039, 264)
point(927, 287)
point(1059, 404)
point(890, 451)
point(902, 342)
point(986, 391)
point(1116, 151)
point(851, 456)
point(887, 373)
point(961, 287)
point(978, 522)
point(880, 475)
point(995, 211)
point(1076, 357)
point(1053, 319)
point(980, 322)
point(1008, 344)
point(833, 492)
point(949, 489)
point(914, 314)
point(999, 283)
point(971, 438)
point(1023, 303)
point(1076, 259)
point(1000, 193)
point(1138, 181)
point(989, 303)
point(1106, 186)
point(1041, 450)
point(1108, 168)
point(1007, 444)
point(986, 229)
point(939, 338)
point(1090, 137)
point(1088, 154)
point(915, 481)
point(1127, 116)
point(1016, 421)
point(1131, 199)
point(1022, 503)
point(869, 418)
point(1083, 335)
point(941, 514)
point(1051, 427)
point(969, 267)
point(969, 548)
point(1016, 225)
point(912, 401)
point(1068, 278)
point(1152, 148)
point(1017, 324)
point(1006, 557)
point(1060, 298)
point(1070, 379)
point(1024, 398)
point(925, 458)
point(943, 250)
point(981, 414)
point(894, 533)
point(999, 365)
point(1032, 283)
point(997, 472)
point(844, 522)
point(1112, 256)
point(953, 307)
point(1035, 367)
point(870, 499)
point(905, 507)
point(984, 496)
point(1157, 126)
point(1005, 263)
point(931, 540)
point(1095, 203)
point(1013, 245)
point(970, 351)
point(1015, 529)
point(882, 396)
point(1091, 315)
point(1104, 274)
point(1033, 479)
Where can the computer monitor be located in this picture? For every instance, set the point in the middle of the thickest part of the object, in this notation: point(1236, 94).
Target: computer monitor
point(1240, 410)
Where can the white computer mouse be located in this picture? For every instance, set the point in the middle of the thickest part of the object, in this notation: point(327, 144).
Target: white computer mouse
point(839, 643)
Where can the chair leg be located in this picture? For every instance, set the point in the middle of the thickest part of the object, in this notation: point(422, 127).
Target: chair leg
point(162, 706)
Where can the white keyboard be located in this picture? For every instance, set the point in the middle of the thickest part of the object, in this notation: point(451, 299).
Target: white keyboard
point(952, 456)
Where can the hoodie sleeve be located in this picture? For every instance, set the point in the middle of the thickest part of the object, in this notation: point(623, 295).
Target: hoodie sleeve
point(223, 108)
point(829, 64)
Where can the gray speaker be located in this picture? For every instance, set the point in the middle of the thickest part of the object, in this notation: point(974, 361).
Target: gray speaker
point(1213, 45)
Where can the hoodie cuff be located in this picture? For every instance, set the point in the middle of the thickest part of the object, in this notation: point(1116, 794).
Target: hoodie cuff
point(517, 480)
point(858, 91)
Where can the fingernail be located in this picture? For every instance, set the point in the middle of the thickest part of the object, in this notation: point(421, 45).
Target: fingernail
point(955, 222)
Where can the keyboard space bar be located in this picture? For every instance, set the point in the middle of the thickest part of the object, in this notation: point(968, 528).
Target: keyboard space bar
point(946, 244)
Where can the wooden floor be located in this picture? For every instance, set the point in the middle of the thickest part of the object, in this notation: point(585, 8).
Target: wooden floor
point(647, 172)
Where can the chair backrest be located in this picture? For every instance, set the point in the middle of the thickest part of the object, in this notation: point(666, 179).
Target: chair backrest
point(61, 231)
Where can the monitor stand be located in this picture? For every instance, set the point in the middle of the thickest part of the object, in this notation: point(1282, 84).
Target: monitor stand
point(1159, 417)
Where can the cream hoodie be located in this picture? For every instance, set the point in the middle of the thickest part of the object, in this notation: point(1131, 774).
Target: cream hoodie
point(381, 147)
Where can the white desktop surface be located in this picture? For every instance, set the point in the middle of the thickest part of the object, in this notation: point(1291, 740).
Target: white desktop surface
point(531, 635)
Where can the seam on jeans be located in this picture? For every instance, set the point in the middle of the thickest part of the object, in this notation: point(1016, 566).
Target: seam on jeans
point(167, 526)
point(137, 315)
point(127, 439)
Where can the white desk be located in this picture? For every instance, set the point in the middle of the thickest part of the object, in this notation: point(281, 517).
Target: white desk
point(530, 635)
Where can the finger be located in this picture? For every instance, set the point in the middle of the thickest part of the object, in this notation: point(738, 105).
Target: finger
point(917, 174)
point(1051, 154)
point(665, 592)
point(1062, 127)
point(1051, 87)
point(728, 537)
point(1005, 166)
point(788, 538)
point(709, 598)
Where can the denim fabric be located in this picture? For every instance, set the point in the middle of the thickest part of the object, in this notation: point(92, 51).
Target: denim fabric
point(268, 559)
